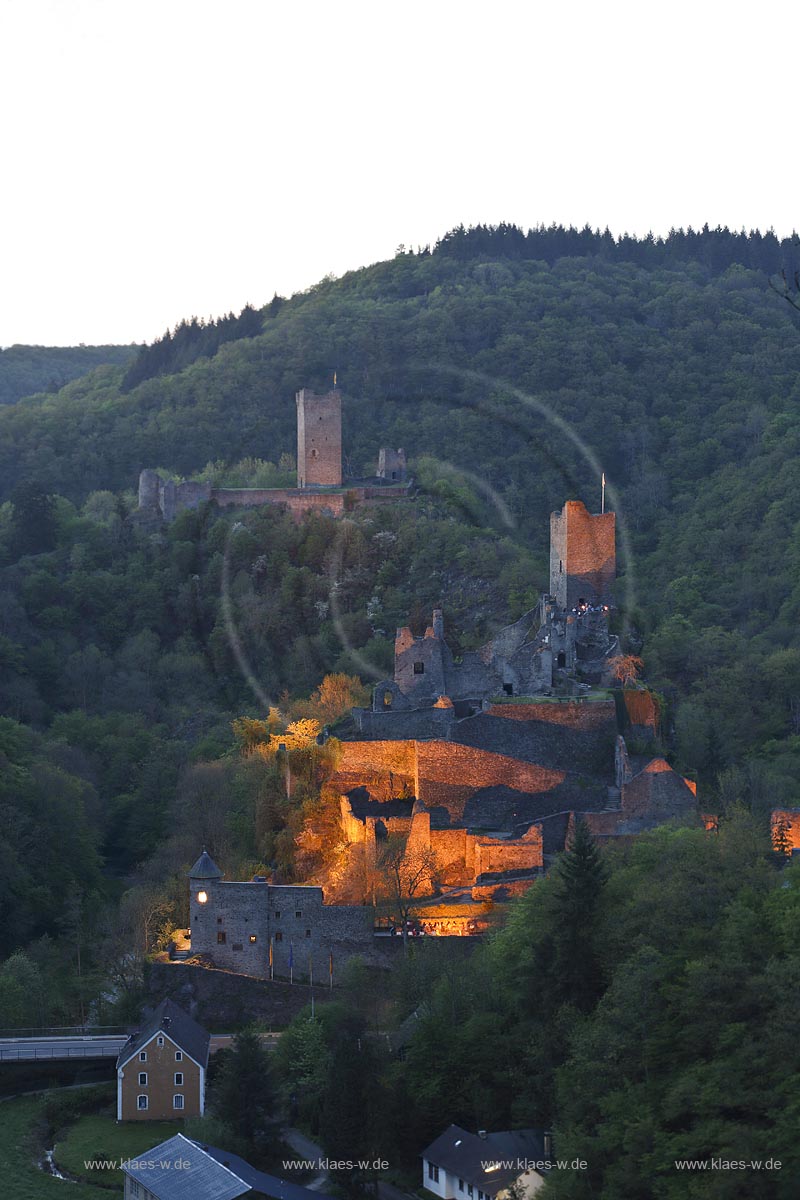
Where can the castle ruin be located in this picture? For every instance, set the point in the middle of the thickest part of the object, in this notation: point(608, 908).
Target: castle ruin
point(320, 483)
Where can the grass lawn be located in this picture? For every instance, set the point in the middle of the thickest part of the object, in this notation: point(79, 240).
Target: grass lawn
point(100, 1137)
point(20, 1178)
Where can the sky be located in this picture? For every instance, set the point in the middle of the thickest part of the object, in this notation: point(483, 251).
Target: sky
point(170, 158)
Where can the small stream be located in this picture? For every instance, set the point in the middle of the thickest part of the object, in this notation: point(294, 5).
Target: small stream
point(49, 1167)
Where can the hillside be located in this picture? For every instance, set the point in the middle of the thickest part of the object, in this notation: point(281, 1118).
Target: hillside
point(26, 370)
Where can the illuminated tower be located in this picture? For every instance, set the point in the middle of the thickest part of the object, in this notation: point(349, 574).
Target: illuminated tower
point(582, 555)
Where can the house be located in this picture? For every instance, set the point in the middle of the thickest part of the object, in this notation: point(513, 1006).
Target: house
point(161, 1070)
point(182, 1169)
point(465, 1166)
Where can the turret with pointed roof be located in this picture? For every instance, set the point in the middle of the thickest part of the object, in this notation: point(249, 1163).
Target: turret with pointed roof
point(205, 868)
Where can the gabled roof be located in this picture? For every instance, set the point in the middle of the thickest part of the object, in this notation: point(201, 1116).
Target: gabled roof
point(470, 1157)
point(267, 1185)
point(178, 1026)
point(201, 1176)
point(205, 868)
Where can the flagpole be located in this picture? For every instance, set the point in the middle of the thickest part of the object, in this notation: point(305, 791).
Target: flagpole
point(311, 982)
point(330, 968)
point(271, 963)
point(291, 962)
point(603, 494)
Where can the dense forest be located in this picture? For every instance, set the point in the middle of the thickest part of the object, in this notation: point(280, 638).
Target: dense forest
point(25, 370)
point(512, 368)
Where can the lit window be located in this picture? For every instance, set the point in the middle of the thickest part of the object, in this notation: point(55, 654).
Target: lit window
point(278, 936)
point(202, 897)
point(142, 1079)
point(220, 937)
point(177, 1101)
point(178, 1056)
point(253, 939)
point(179, 1079)
point(141, 1103)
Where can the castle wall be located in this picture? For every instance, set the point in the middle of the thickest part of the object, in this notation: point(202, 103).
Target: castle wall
point(571, 714)
point(582, 555)
point(319, 438)
point(298, 503)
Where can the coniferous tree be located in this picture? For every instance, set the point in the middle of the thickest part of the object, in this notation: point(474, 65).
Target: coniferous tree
point(243, 1095)
point(581, 876)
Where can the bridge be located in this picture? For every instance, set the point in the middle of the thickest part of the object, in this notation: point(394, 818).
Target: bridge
point(93, 1045)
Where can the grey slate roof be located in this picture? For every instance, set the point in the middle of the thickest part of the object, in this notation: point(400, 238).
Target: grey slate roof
point(205, 868)
point(202, 1179)
point(171, 1020)
point(262, 1184)
point(462, 1154)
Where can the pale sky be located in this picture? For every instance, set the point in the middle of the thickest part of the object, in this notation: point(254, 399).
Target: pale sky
point(164, 158)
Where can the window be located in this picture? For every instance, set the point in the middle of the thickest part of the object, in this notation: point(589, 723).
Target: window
point(279, 936)
point(179, 1079)
point(461, 1185)
point(237, 946)
point(387, 699)
point(143, 1056)
point(177, 1101)
point(219, 920)
point(141, 1103)
point(220, 937)
point(253, 939)
point(142, 1079)
point(298, 913)
point(277, 916)
point(469, 1189)
point(308, 933)
point(161, 1041)
point(419, 668)
point(433, 1172)
point(178, 1056)
point(134, 1188)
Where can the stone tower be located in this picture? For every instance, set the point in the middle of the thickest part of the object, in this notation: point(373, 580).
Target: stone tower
point(319, 439)
point(582, 555)
point(204, 879)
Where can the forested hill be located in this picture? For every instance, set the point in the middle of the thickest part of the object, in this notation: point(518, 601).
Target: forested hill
point(500, 355)
point(25, 370)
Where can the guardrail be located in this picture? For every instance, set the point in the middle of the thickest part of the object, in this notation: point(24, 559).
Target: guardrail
point(40, 1053)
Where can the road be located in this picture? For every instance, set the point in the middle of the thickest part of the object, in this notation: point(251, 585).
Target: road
point(34, 1049)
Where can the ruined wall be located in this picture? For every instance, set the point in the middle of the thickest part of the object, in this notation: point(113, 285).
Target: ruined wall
point(386, 768)
point(319, 438)
point(437, 772)
point(391, 464)
point(584, 715)
point(493, 856)
point(298, 503)
point(449, 774)
point(582, 555)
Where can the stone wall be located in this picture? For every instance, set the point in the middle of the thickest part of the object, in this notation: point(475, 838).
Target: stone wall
point(220, 1000)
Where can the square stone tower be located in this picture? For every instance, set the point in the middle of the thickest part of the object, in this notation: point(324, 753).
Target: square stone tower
point(583, 561)
point(319, 439)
